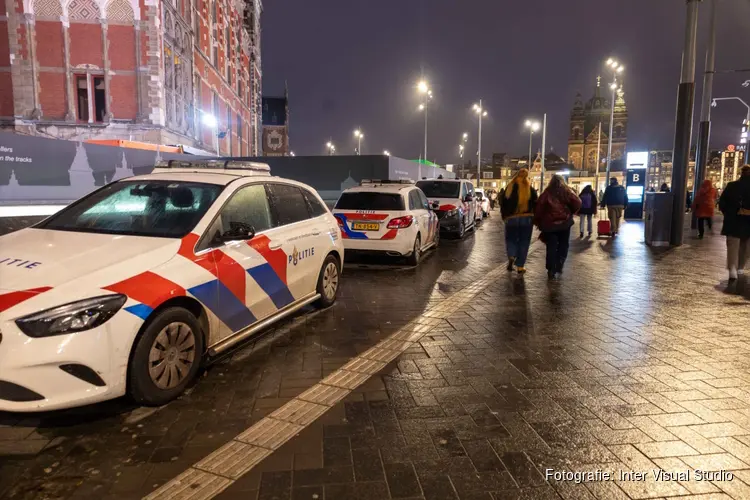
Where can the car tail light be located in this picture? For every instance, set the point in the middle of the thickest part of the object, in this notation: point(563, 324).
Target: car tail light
point(340, 222)
point(401, 222)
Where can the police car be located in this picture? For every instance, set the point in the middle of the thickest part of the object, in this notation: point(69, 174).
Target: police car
point(483, 203)
point(387, 217)
point(457, 206)
point(129, 289)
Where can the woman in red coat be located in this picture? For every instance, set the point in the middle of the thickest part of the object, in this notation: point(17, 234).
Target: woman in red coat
point(703, 206)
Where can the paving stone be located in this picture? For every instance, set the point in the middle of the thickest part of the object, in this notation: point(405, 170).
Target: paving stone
point(523, 375)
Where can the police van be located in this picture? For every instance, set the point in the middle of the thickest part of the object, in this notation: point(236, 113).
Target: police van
point(131, 288)
point(455, 201)
point(387, 217)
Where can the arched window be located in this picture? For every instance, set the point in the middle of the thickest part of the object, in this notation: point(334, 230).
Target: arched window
point(48, 9)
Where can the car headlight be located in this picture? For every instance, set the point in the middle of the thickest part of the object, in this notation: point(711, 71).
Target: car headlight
point(70, 318)
point(451, 213)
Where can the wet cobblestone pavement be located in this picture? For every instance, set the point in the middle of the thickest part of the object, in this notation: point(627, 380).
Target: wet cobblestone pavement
point(636, 360)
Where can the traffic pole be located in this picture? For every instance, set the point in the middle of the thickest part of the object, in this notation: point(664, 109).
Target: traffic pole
point(544, 145)
point(684, 124)
point(704, 132)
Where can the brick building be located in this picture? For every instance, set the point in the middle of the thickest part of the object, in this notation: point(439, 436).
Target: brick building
point(160, 71)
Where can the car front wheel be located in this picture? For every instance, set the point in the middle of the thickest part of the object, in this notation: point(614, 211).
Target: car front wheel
point(328, 282)
point(166, 358)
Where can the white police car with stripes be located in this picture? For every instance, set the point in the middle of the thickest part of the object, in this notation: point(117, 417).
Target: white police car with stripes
point(129, 289)
point(387, 217)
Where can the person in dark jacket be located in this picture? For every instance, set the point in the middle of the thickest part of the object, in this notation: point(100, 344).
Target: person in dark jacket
point(517, 202)
point(735, 205)
point(588, 207)
point(554, 215)
point(615, 200)
point(664, 188)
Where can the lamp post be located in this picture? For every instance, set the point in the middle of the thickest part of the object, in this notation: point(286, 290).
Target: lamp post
point(462, 145)
point(424, 90)
point(533, 127)
point(331, 148)
point(684, 123)
point(616, 68)
point(386, 152)
point(359, 135)
point(481, 112)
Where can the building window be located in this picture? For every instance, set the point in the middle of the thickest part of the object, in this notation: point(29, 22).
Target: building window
point(214, 35)
point(91, 98)
point(82, 91)
point(487, 175)
point(239, 132)
point(215, 106)
point(229, 128)
point(227, 54)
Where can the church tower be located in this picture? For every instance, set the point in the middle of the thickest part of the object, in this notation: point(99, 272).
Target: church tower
point(584, 129)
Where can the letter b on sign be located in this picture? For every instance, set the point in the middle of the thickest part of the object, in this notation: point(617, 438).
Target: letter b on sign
point(636, 177)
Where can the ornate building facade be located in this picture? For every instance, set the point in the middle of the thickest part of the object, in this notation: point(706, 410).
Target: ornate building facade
point(160, 71)
point(584, 130)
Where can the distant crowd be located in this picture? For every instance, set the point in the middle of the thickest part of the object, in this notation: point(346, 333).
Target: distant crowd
point(554, 213)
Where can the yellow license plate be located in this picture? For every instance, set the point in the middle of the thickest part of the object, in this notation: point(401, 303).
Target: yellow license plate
point(365, 226)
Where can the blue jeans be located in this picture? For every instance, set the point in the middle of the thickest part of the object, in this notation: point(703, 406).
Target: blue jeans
point(518, 238)
point(588, 217)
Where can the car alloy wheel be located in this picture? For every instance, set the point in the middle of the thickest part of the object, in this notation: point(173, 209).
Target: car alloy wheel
point(330, 280)
point(172, 355)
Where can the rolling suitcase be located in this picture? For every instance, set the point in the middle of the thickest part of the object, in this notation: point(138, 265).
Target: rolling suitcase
point(604, 226)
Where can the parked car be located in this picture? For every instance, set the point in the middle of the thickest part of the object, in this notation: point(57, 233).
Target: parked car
point(131, 288)
point(483, 203)
point(457, 206)
point(387, 217)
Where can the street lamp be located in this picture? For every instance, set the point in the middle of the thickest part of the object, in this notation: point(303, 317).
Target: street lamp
point(359, 135)
point(460, 150)
point(331, 148)
point(387, 153)
point(481, 112)
point(617, 69)
point(426, 92)
point(533, 127)
point(291, 153)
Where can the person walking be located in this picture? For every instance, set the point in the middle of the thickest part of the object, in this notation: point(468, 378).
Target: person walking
point(554, 216)
point(735, 205)
point(517, 202)
point(493, 199)
point(703, 206)
point(615, 200)
point(588, 207)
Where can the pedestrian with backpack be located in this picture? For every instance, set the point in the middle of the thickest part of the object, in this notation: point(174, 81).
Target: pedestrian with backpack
point(588, 207)
point(555, 216)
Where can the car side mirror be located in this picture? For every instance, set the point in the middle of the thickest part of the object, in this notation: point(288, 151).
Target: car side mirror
point(238, 231)
point(435, 205)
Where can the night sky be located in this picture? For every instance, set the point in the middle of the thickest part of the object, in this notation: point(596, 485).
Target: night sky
point(355, 63)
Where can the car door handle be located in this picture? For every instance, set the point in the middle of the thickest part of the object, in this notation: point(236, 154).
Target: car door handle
point(275, 246)
point(316, 233)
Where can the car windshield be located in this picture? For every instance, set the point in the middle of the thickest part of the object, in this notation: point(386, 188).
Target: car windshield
point(370, 201)
point(440, 189)
point(163, 209)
